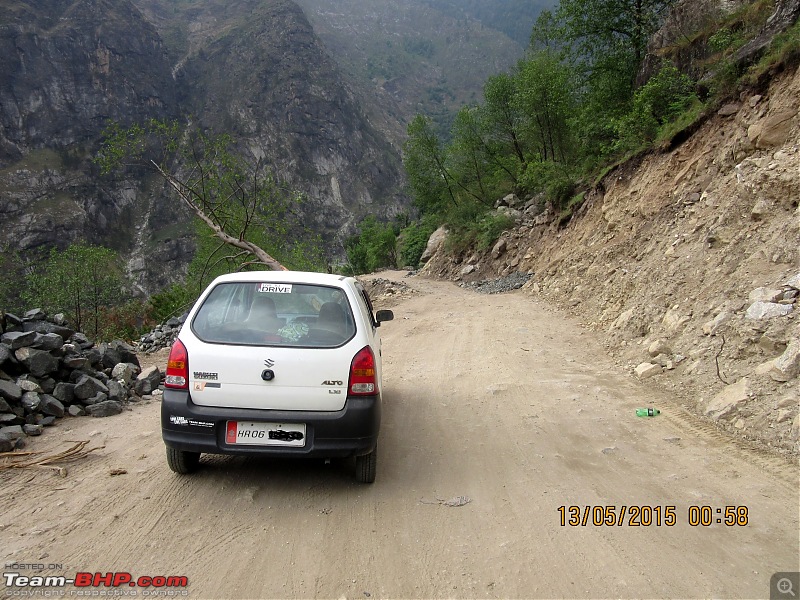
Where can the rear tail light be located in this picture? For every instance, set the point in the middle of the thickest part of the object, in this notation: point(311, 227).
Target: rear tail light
point(363, 378)
point(177, 367)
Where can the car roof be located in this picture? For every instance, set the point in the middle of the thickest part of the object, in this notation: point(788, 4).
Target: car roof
point(286, 277)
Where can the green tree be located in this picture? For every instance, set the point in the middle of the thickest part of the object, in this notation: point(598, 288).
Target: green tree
point(374, 247)
point(502, 121)
point(611, 35)
point(424, 160)
point(544, 96)
point(80, 282)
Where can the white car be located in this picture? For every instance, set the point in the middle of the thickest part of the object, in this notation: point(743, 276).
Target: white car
point(276, 363)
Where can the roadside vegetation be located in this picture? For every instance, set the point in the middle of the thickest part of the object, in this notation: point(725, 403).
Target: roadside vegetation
point(574, 107)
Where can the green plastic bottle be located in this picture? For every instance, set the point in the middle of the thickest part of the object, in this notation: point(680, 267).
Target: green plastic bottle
point(647, 412)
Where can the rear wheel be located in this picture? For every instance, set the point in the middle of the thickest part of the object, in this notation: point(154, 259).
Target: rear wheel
point(182, 462)
point(367, 466)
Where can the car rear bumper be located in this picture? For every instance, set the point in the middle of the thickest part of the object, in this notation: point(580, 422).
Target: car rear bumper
point(352, 431)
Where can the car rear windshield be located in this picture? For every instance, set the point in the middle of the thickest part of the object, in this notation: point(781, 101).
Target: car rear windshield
point(275, 314)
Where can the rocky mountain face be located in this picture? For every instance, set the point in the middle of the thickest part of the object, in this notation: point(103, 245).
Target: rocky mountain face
point(65, 70)
point(254, 69)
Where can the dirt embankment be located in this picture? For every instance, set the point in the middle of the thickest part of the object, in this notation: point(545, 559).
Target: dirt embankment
point(669, 252)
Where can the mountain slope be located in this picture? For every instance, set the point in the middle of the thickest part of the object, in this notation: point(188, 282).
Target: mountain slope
point(254, 69)
point(415, 56)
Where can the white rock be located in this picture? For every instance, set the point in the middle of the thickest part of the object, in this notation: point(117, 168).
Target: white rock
point(787, 366)
point(711, 327)
point(659, 347)
point(434, 243)
point(760, 311)
point(647, 370)
point(728, 399)
point(764, 294)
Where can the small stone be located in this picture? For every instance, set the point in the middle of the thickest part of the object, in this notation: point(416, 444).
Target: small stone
point(75, 410)
point(33, 430)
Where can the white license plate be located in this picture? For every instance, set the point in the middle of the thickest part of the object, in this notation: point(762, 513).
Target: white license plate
point(265, 434)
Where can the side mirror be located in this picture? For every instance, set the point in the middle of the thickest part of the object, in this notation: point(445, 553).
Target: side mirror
point(384, 315)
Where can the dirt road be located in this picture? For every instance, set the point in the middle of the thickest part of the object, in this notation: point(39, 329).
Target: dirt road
point(498, 411)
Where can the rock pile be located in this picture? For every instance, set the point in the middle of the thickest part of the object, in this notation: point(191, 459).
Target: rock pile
point(511, 282)
point(163, 335)
point(49, 371)
point(385, 292)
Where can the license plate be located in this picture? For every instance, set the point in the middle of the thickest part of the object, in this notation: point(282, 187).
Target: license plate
point(265, 434)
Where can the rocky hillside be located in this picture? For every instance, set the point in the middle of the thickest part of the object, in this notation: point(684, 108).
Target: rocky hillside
point(687, 260)
point(254, 69)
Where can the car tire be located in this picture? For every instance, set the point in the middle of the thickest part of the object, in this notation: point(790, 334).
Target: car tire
point(182, 462)
point(367, 466)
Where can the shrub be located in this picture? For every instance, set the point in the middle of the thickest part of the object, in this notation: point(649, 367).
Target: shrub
point(374, 247)
point(413, 240)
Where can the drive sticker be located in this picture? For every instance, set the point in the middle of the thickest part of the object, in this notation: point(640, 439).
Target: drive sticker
point(230, 433)
point(275, 288)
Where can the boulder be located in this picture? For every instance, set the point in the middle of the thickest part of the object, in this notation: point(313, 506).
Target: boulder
point(18, 339)
point(499, 249)
point(775, 129)
point(728, 399)
point(87, 387)
point(646, 370)
point(151, 374)
point(764, 294)
point(107, 408)
point(7, 444)
point(434, 243)
point(658, 347)
point(713, 326)
point(64, 392)
point(39, 362)
point(123, 372)
point(48, 341)
point(760, 311)
point(10, 391)
point(50, 406)
point(5, 353)
point(787, 366)
point(31, 402)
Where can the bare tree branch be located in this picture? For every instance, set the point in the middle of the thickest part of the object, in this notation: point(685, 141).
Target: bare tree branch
point(186, 194)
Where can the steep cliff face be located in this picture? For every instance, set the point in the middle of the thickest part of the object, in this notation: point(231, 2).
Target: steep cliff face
point(68, 67)
point(270, 82)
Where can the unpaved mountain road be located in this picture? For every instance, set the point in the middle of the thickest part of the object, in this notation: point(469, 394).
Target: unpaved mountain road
point(496, 399)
